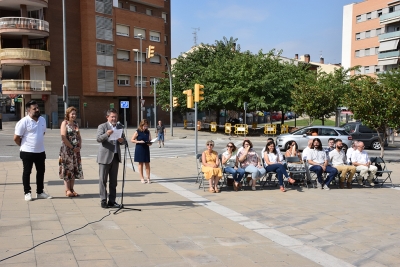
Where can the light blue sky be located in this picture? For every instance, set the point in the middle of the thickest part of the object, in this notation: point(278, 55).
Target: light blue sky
point(295, 26)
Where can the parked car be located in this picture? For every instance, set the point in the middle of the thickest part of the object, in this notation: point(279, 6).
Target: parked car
point(277, 116)
point(365, 134)
point(12, 109)
point(289, 115)
point(302, 136)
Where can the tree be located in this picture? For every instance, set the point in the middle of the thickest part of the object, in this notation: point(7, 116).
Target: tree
point(376, 102)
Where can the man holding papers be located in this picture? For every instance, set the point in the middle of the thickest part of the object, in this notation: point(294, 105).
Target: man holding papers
point(110, 137)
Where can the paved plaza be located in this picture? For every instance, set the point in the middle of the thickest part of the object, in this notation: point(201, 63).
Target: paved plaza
point(181, 225)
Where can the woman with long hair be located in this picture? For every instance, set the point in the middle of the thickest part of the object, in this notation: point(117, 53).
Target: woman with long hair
point(210, 167)
point(69, 161)
point(142, 139)
point(273, 164)
point(231, 165)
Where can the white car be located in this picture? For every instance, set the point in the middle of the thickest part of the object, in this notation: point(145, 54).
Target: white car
point(302, 136)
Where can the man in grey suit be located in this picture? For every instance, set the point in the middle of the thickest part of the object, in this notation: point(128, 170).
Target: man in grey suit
point(108, 158)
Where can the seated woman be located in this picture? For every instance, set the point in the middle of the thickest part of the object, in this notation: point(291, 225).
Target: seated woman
point(210, 167)
point(251, 163)
point(273, 163)
point(231, 165)
point(293, 150)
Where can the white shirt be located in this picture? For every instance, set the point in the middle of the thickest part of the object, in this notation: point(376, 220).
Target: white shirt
point(349, 154)
point(337, 158)
point(273, 158)
point(360, 157)
point(31, 133)
point(231, 162)
point(318, 156)
point(306, 151)
point(278, 151)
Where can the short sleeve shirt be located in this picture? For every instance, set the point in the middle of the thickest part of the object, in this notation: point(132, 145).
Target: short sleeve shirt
point(31, 133)
point(160, 129)
point(360, 157)
point(231, 162)
point(251, 158)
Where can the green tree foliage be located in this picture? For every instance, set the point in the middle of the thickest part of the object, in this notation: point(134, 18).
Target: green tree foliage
point(376, 102)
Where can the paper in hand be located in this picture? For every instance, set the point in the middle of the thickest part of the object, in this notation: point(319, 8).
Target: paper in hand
point(117, 133)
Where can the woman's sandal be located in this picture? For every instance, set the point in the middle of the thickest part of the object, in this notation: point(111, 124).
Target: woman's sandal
point(75, 193)
point(68, 193)
point(211, 190)
point(291, 180)
point(148, 181)
point(142, 181)
point(283, 189)
point(235, 187)
point(216, 190)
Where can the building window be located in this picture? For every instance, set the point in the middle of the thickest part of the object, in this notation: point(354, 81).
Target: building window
point(366, 52)
point(153, 80)
point(120, 4)
point(376, 50)
point(379, 12)
point(122, 30)
point(105, 81)
point(104, 28)
point(155, 36)
point(369, 16)
point(164, 16)
point(367, 34)
point(137, 31)
point(137, 81)
point(391, 9)
point(124, 80)
point(165, 39)
point(358, 18)
point(366, 70)
point(132, 8)
point(155, 59)
point(149, 12)
point(378, 31)
point(140, 58)
point(357, 53)
point(123, 55)
point(377, 69)
point(104, 6)
point(105, 55)
point(358, 35)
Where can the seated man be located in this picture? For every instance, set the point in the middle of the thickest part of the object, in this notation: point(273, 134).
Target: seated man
point(331, 147)
point(307, 149)
point(338, 160)
point(361, 160)
point(319, 164)
point(350, 152)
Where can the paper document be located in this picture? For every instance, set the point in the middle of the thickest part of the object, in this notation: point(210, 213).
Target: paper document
point(117, 133)
point(153, 140)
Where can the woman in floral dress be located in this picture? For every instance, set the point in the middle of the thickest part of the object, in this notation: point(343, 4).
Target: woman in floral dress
point(70, 166)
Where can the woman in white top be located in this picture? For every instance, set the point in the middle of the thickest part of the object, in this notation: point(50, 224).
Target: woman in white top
point(273, 164)
point(231, 164)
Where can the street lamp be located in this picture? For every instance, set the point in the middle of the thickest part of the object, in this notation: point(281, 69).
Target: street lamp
point(65, 86)
point(136, 84)
point(141, 76)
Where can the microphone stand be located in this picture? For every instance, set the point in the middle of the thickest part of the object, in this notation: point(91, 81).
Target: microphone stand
point(123, 175)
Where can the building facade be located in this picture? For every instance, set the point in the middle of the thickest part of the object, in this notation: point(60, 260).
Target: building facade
point(106, 56)
point(371, 34)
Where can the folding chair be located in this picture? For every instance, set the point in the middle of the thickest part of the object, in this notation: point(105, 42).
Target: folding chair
point(382, 169)
point(200, 174)
point(268, 176)
point(225, 175)
point(296, 167)
point(310, 174)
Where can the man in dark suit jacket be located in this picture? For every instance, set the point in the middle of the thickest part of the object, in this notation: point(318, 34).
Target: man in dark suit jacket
point(108, 158)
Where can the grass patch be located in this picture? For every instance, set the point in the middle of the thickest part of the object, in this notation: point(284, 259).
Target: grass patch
point(304, 122)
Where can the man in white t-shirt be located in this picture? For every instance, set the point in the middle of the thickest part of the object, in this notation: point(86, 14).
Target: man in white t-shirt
point(29, 135)
point(306, 150)
point(361, 160)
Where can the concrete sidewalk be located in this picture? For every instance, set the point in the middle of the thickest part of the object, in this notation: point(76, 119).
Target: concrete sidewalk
point(181, 225)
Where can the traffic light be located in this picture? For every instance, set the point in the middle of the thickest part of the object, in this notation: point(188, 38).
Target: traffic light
point(198, 92)
point(150, 51)
point(175, 102)
point(189, 102)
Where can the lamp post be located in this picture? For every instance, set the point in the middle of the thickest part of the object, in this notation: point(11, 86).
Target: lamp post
point(155, 103)
point(65, 87)
point(141, 78)
point(136, 84)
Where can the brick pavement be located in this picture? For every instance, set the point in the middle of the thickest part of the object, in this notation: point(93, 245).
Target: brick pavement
point(180, 225)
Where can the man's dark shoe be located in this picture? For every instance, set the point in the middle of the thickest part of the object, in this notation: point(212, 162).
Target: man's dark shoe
point(349, 185)
point(341, 185)
point(114, 205)
point(104, 205)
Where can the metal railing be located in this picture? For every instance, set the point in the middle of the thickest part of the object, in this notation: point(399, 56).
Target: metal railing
point(389, 16)
point(24, 53)
point(23, 23)
point(389, 35)
point(389, 54)
point(26, 85)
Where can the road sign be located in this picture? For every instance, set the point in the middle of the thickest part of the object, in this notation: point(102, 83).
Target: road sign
point(142, 100)
point(111, 105)
point(124, 104)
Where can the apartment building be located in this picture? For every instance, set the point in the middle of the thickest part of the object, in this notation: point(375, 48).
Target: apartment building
point(104, 60)
point(371, 34)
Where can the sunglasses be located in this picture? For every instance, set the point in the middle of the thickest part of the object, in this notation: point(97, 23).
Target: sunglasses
point(230, 146)
point(210, 144)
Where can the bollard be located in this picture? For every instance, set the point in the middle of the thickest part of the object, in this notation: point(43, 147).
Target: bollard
point(51, 125)
point(1, 121)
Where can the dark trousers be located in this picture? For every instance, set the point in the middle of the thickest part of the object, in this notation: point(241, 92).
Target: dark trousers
point(28, 159)
point(109, 171)
point(279, 169)
point(329, 169)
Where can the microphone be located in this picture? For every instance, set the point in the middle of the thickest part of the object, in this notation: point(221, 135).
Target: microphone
point(120, 124)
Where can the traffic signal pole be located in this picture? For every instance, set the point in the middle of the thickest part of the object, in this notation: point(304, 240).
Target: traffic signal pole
point(195, 128)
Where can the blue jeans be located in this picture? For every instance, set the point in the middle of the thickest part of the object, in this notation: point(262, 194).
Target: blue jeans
point(236, 174)
point(255, 172)
point(160, 137)
point(279, 169)
point(329, 169)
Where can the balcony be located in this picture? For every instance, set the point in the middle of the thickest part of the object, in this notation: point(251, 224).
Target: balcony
point(388, 55)
point(26, 26)
point(24, 56)
point(389, 35)
point(26, 86)
point(390, 17)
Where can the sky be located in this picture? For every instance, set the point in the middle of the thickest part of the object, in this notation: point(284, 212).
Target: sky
point(295, 26)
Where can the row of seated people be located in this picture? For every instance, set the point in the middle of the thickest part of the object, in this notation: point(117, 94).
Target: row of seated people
point(331, 160)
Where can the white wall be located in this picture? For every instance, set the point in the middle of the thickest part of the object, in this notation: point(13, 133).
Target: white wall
point(347, 33)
